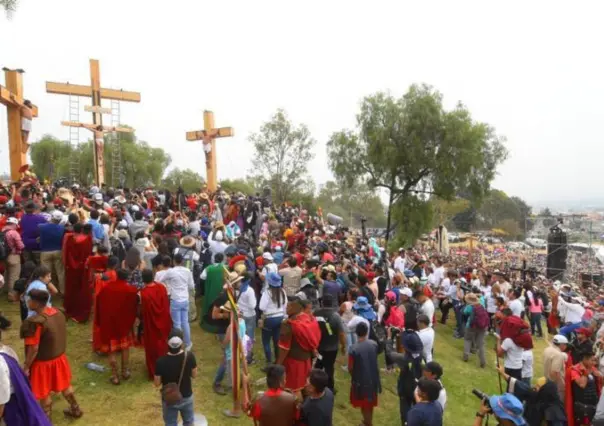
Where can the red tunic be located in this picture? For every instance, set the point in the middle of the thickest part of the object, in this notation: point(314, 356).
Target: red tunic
point(100, 281)
point(157, 323)
point(115, 315)
point(48, 376)
point(78, 296)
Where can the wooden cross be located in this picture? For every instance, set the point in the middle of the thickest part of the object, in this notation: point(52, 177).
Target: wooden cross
point(12, 97)
point(208, 135)
point(97, 93)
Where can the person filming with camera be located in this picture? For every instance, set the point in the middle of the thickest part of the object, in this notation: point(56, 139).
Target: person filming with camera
point(506, 408)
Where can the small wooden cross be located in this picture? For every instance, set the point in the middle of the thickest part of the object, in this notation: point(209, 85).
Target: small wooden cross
point(208, 136)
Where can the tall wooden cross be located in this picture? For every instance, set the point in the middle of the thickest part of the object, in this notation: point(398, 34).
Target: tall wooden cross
point(208, 135)
point(97, 93)
point(12, 97)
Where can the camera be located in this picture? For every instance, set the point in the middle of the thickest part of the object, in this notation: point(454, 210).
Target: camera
point(482, 396)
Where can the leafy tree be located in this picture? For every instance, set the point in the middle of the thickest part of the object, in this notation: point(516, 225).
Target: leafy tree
point(238, 185)
point(141, 164)
point(413, 147)
point(445, 211)
point(282, 153)
point(511, 228)
point(189, 180)
point(352, 204)
point(546, 212)
point(498, 207)
point(9, 6)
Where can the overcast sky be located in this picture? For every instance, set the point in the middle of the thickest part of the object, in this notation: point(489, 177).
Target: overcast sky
point(534, 70)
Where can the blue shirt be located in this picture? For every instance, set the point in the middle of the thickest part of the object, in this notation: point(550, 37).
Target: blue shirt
point(333, 288)
point(425, 414)
point(35, 285)
point(98, 232)
point(51, 236)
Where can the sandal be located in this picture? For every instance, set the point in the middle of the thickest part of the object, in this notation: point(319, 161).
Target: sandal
point(73, 412)
point(126, 374)
point(114, 380)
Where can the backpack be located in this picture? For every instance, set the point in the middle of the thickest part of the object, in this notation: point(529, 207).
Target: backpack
point(118, 249)
point(377, 333)
point(194, 266)
point(4, 250)
point(481, 318)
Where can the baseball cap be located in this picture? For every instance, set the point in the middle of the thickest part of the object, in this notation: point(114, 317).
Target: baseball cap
point(135, 208)
point(57, 215)
point(406, 292)
point(267, 256)
point(98, 197)
point(175, 342)
point(13, 220)
point(559, 339)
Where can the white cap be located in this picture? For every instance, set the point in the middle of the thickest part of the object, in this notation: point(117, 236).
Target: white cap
point(559, 339)
point(267, 256)
point(13, 220)
point(175, 342)
point(135, 208)
point(57, 215)
point(218, 236)
point(406, 292)
point(98, 197)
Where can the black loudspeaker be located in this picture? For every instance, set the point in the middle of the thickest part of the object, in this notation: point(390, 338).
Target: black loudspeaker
point(557, 252)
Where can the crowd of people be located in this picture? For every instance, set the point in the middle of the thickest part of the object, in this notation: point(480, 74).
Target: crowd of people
point(135, 263)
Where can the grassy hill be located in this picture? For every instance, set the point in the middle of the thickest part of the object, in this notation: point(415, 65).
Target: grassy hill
point(136, 402)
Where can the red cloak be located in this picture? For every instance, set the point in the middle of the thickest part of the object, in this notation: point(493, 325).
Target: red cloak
point(78, 296)
point(518, 330)
point(115, 315)
point(568, 395)
point(157, 323)
point(99, 283)
point(306, 331)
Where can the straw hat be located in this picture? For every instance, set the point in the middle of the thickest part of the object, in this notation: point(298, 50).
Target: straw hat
point(187, 241)
point(472, 299)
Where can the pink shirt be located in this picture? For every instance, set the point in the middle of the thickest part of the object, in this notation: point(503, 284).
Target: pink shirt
point(536, 308)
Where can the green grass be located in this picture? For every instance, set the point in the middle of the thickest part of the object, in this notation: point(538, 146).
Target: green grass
point(136, 402)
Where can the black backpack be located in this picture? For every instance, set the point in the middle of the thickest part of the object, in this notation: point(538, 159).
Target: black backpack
point(118, 249)
point(4, 250)
point(377, 333)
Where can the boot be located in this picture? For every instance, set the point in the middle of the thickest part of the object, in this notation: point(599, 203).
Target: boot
point(74, 409)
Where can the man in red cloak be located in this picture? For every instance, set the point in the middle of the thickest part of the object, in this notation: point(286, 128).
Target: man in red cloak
point(157, 322)
point(298, 341)
point(99, 283)
point(77, 247)
point(116, 309)
point(583, 383)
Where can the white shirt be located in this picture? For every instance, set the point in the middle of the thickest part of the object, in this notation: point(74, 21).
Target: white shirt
point(572, 312)
point(516, 307)
point(427, 337)
point(427, 308)
point(271, 267)
point(6, 387)
point(179, 281)
point(159, 276)
point(439, 276)
point(270, 307)
point(216, 246)
point(356, 320)
point(513, 354)
point(527, 363)
point(399, 264)
point(247, 302)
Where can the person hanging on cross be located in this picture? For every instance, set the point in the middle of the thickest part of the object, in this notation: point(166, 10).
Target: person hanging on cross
point(26, 117)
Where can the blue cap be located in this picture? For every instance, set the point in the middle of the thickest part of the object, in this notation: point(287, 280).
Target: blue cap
point(409, 273)
point(273, 279)
point(507, 407)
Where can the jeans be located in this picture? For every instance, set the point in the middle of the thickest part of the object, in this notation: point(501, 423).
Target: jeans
point(536, 323)
point(351, 339)
point(179, 311)
point(250, 328)
point(271, 329)
point(457, 307)
point(219, 377)
point(185, 408)
point(474, 337)
point(327, 364)
point(570, 328)
point(405, 405)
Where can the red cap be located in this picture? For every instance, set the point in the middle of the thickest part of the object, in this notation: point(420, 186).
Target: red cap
point(583, 330)
point(3, 199)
